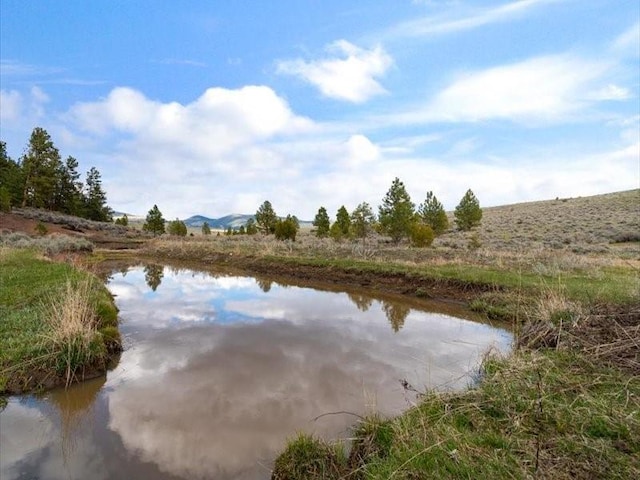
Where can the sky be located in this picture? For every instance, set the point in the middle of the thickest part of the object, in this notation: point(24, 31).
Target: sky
point(214, 107)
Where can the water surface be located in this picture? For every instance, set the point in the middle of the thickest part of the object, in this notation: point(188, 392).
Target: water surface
point(218, 371)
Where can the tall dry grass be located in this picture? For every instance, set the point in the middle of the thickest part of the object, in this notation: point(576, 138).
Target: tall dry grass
point(73, 337)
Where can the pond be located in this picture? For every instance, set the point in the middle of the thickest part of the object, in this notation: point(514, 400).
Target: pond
point(219, 370)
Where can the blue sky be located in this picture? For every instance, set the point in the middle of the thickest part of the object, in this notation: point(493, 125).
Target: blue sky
point(213, 107)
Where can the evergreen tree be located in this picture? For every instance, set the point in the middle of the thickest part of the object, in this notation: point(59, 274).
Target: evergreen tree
point(287, 229)
point(177, 228)
point(242, 230)
point(362, 220)
point(341, 227)
point(69, 189)
point(252, 229)
point(95, 201)
point(41, 166)
point(154, 223)
point(432, 213)
point(206, 229)
point(11, 178)
point(122, 221)
point(322, 222)
point(396, 214)
point(468, 212)
point(266, 218)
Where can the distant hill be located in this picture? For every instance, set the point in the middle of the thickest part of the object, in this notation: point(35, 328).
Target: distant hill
point(235, 220)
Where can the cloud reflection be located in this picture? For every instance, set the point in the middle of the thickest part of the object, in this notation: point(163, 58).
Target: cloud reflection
point(227, 372)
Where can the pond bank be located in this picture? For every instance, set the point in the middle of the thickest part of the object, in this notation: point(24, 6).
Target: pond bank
point(58, 323)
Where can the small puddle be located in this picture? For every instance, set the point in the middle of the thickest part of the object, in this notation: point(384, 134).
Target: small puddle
point(218, 371)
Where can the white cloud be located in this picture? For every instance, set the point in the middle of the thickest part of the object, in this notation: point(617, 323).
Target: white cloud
point(610, 92)
point(548, 89)
point(20, 108)
point(461, 19)
point(350, 74)
point(10, 105)
point(629, 41)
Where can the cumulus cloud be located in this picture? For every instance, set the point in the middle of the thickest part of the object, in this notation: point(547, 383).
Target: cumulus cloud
point(350, 73)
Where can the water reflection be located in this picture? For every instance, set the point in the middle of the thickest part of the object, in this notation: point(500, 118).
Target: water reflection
point(153, 276)
point(221, 370)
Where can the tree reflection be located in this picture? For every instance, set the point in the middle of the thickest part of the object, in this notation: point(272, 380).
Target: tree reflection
point(361, 301)
point(396, 314)
point(265, 285)
point(153, 275)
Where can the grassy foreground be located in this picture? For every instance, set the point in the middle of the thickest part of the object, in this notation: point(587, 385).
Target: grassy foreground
point(58, 324)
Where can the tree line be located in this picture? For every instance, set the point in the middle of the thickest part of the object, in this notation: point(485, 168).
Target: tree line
point(41, 179)
point(398, 218)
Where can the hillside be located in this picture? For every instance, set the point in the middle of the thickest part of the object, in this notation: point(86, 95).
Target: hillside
point(584, 224)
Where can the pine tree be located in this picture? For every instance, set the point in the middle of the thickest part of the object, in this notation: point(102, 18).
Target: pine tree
point(468, 213)
point(154, 223)
point(362, 219)
point(266, 218)
point(11, 178)
point(206, 229)
point(41, 166)
point(396, 214)
point(432, 213)
point(252, 229)
point(70, 199)
point(322, 222)
point(95, 203)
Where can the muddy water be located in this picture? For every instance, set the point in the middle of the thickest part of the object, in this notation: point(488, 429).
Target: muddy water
point(218, 371)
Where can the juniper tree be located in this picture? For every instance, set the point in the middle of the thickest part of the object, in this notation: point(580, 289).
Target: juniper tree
point(206, 229)
point(177, 227)
point(322, 222)
point(342, 226)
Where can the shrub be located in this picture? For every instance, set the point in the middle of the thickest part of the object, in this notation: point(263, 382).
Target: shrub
point(41, 228)
point(421, 235)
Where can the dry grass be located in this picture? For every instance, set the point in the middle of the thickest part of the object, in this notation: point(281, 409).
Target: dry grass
point(73, 335)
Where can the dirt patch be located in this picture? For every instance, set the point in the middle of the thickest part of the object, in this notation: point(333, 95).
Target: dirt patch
point(18, 223)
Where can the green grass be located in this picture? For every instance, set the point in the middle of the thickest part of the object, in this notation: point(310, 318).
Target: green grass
point(32, 352)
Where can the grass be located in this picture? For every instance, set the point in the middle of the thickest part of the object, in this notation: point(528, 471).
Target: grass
point(57, 322)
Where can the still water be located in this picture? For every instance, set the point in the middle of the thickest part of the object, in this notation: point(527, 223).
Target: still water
point(218, 371)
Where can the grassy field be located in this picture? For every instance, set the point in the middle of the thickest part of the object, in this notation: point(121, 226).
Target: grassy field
point(58, 323)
